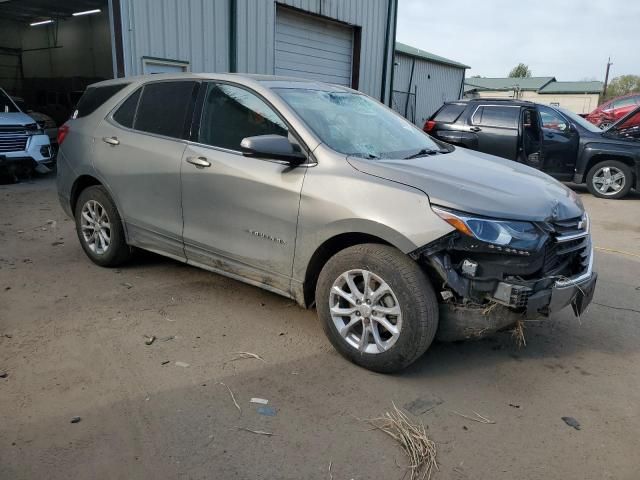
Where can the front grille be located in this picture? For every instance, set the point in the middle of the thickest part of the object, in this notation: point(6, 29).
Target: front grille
point(567, 253)
point(15, 129)
point(13, 143)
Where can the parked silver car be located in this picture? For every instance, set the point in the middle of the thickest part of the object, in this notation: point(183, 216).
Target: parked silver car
point(321, 194)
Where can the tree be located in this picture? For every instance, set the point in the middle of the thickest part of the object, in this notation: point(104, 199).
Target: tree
point(521, 71)
point(623, 85)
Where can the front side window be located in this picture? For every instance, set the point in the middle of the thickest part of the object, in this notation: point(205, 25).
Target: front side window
point(354, 124)
point(231, 113)
point(552, 120)
point(496, 116)
point(164, 107)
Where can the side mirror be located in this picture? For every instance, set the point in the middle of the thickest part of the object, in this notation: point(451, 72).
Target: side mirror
point(272, 146)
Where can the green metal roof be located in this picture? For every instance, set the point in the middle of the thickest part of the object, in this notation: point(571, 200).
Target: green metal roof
point(416, 52)
point(572, 87)
point(527, 84)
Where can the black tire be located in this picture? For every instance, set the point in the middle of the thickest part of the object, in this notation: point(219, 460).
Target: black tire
point(415, 296)
point(622, 167)
point(118, 251)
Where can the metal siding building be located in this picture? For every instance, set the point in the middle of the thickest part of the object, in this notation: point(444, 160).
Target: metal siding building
point(244, 35)
point(434, 80)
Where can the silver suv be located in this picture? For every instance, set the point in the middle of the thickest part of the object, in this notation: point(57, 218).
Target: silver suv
point(24, 145)
point(321, 194)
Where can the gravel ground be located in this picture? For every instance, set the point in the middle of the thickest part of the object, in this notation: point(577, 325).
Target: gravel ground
point(72, 343)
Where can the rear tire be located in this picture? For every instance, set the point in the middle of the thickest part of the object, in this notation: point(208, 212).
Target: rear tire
point(100, 229)
point(409, 307)
point(617, 172)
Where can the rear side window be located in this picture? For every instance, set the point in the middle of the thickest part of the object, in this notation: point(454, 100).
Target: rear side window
point(164, 107)
point(127, 111)
point(94, 97)
point(449, 113)
point(496, 116)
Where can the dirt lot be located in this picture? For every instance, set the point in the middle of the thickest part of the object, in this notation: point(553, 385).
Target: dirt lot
point(72, 343)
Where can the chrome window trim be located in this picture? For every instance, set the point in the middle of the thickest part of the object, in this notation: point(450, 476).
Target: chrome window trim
point(311, 161)
point(492, 126)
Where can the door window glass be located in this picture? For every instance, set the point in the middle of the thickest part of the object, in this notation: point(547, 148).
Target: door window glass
point(127, 111)
point(623, 102)
point(164, 107)
point(230, 114)
point(495, 116)
point(551, 119)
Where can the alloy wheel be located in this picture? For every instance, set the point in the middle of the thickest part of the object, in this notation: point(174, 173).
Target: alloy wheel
point(608, 180)
point(365, 311)
point(96, 227)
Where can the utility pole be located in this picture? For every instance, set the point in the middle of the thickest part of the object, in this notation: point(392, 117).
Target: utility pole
point(606, 78)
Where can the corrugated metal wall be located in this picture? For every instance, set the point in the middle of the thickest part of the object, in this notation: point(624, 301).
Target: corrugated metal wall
point(434, 84)
point(197, 31)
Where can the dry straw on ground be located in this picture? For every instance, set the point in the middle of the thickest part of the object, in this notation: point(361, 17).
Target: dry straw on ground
point(412, 439)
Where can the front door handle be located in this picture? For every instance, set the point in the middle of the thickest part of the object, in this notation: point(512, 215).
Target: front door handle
point(475, 129)
point(199, 162)
point(111, 140)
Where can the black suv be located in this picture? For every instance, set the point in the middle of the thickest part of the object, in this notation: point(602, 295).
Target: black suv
point(551, 139)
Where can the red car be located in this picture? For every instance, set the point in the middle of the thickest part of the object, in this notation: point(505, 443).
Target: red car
point(610, 112)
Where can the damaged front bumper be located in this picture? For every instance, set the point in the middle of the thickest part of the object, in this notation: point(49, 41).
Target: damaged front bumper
point(483, 294)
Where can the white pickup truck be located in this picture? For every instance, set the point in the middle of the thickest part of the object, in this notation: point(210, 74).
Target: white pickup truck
point(24, 146)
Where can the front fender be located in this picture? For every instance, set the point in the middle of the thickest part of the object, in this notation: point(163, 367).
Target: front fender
point(593, 152)
point(338, 199)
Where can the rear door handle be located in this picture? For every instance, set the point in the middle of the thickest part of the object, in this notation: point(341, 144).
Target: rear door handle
point(111, 140)
point(199, 162)
point(475, 129)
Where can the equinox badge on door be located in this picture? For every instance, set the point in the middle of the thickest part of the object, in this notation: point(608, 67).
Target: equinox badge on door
point(267, 237)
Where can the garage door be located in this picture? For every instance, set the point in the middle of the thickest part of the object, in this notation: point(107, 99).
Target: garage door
point(313, 48)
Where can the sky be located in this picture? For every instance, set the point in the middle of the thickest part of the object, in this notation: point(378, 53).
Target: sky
point(567, 39)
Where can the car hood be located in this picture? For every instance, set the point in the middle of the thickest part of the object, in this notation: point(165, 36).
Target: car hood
point(478, 183)
point(15, 118)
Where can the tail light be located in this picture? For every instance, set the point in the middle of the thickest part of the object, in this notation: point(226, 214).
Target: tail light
point(429, 125)
point(62, 133)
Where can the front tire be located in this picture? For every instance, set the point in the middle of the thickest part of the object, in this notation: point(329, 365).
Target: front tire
point(609, 179)
point(99, 228)
point(377, 307)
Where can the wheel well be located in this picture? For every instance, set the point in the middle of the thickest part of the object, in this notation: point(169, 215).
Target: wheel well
point(600, 158)
point(79, 185)
point(327, 250)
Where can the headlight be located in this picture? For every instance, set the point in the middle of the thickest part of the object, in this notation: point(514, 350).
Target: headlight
point(505, 235)
point(33, 129)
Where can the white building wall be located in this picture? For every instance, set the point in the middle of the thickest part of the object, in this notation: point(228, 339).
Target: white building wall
point(577, 103)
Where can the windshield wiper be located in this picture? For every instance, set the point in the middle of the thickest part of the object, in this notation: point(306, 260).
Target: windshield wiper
point(422, 153)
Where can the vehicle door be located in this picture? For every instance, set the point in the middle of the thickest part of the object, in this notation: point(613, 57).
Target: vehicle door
point(138, 152)
point(496, 127)
point(560, 143)
point(240, 213)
